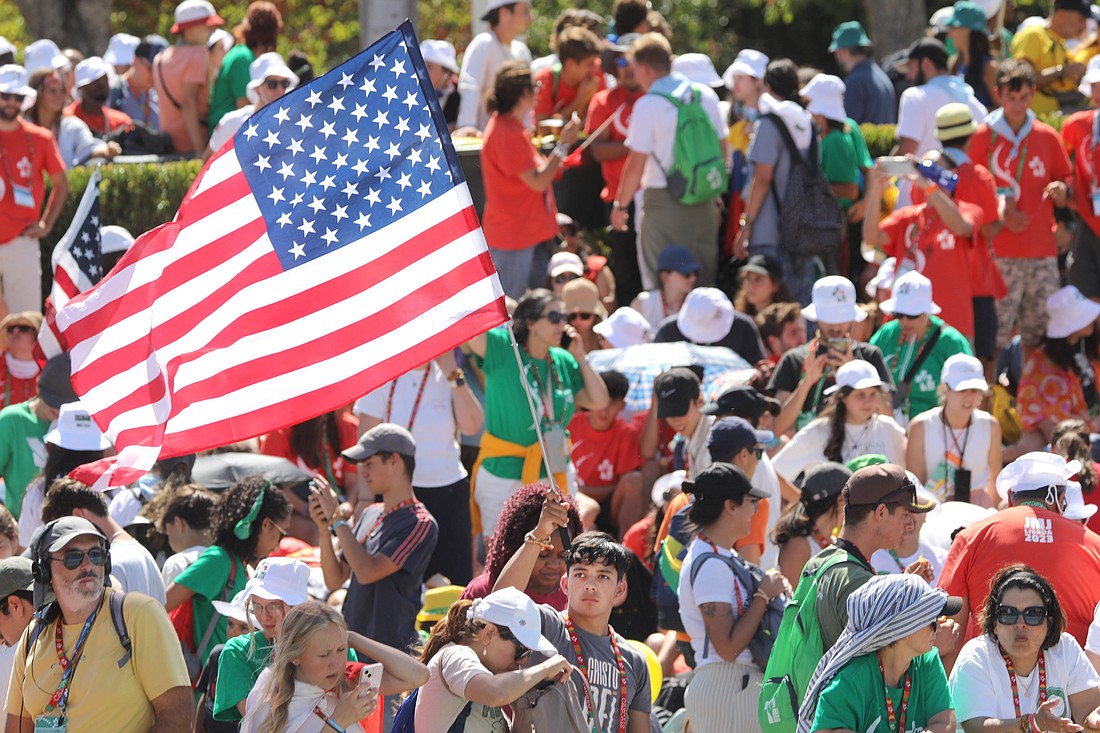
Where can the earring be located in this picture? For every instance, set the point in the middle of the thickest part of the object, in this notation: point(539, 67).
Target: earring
point(485, 652)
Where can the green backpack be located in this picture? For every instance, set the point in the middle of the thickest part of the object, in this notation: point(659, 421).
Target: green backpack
point(798, 648)
point(698, 173)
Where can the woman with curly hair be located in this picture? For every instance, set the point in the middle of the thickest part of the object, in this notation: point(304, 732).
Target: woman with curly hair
point(250, 518)
point(518, 520)
point(257, 34)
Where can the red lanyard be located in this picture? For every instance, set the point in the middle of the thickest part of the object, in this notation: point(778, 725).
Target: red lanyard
point(583, 666)
point(388, 512)
point(416, 402)
point(820, 538)
point(897, 723)
point(1015, 687)
point(60, 699)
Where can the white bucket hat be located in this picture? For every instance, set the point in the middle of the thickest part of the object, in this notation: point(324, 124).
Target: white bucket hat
point(857, 374)
point(834, 301)
point(75, 430)
point(115, 238)
point(44, 54)
point(280, 579)
point(517, 613)
point(1035, 470)
point(1092, 75)
point(90, 69)
point(912, 296)
point(13, 80)
point(962, 372)
point(826, 95)
point(440, 52)
point(625, 327)
point(222, 36)
point(706, 316)
point(1076, 508)
point(698, 68)
point(1068, 311)
point(267, 65)
point(235, 609)
point(749, 62)
point(120, 49)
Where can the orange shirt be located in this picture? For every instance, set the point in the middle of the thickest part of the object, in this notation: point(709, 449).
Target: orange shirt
point(604, 104)
point(516, 216)
point(553, 98)
point(25, 154)
point(175, 67)
point(277, 443)
point(1040, 160)
point(1077, 136)
point(102, 124)
point(1063, 551)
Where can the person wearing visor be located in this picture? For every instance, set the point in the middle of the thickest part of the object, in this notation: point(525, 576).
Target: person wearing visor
point(1024, 672)
point(1032, 530)
point(270, 79)
point(476, 659)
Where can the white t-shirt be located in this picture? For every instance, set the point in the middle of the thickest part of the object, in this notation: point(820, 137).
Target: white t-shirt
point(7, 661)
point(883, 562)
point(653, 125)
point(765, 477)
point(480, 63)
point(442, 697)
point(437, 451)
point(697, 453)
point(918, 105)
point(30, 512)
point(136, 570)
point(650, 304)
point(1092, 642)
point(807, 448)
point(228, 126)
point(300, 715)
point(178, 562)
point(715, 583)
point(980, 686)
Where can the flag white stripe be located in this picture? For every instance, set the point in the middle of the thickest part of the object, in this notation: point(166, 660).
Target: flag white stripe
point(68, 263)
point(221, 168)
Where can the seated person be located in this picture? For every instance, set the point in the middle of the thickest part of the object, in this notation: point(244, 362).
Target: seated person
point(707, 318)
point(568, 86)
point(782, 328)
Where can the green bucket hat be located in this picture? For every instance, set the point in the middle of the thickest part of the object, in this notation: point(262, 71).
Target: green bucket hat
point(966, 14)
point(849, 35)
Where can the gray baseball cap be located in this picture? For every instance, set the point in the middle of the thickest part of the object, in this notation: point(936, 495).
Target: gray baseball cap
point(384, 438)
point(15, 574)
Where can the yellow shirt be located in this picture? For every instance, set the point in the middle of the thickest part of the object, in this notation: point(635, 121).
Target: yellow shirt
point(103, 697)
point(1043, 49)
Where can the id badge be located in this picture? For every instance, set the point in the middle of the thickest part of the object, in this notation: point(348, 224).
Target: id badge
point(556, 456)
point(1095, 197)
point(49, 724)
point(23, 196)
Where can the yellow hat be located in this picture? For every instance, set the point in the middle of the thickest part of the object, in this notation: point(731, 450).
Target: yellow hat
point(953, 121)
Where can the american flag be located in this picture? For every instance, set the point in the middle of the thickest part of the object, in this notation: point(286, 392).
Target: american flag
point(331, 246)
point(77, 266)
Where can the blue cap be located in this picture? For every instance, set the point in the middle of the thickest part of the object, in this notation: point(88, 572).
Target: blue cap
point(678, 258)
point(730, 435)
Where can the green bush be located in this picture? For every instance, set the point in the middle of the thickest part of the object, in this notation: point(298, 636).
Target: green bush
point(880, 139)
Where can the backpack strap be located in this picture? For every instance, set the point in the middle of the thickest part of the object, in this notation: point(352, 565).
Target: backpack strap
point(116, 600)
point(810, 161)
point(695, 568)
point(693, 98)
point(923, 355)
point(160, 72)
point(214, 617)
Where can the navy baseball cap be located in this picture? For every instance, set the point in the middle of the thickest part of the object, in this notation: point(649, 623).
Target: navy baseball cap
point(730, 435)
point(677, 258)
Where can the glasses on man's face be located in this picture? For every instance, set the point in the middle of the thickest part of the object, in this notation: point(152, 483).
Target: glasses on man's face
point(565, 278)
point(274, 84)
point(555, 317)
point(20, 328)
point(1033, 615)
point(72, 559)
point(580, 317)
point(522, 652)
point(5, 96)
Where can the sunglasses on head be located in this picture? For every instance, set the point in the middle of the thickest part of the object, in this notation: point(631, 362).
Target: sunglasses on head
point(522, 652)
point(274, 84)
point(555, 317)
point(580, 316)
point(12, 97)
point(564, 278)
point(72, 559)
point(20, 328)
point(1033, 615)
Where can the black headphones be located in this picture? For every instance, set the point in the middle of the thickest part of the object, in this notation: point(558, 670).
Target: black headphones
point(41, 570)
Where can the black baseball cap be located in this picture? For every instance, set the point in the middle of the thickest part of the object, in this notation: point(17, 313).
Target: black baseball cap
point(929, 48)
point(764, 265)
point(742, 401)
point(676, 389)
point(723, 480)
point(823, 481)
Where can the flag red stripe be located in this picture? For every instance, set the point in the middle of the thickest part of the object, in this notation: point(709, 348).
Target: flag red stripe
point(62, 279)
point(218, 196)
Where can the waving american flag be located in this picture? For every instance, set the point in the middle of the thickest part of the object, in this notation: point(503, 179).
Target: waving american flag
point(329, 247)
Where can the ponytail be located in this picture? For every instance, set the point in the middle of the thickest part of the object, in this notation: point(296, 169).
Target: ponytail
point(455, 628)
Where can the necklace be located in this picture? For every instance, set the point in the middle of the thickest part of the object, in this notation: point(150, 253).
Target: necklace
point(819, 538)
point(859, 441)
point(582, 665)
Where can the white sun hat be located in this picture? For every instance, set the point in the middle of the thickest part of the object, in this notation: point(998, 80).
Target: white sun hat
point(120, 49)
point(834, 301)
point(267, 65)
point(1068, 311)
point(912, 296)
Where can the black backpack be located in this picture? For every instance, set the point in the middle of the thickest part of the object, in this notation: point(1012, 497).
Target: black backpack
point(50, 612)
point(810, 220)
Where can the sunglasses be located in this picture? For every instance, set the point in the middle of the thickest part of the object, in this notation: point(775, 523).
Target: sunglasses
point(906, 317)
point(580, 316)
point(1033, 615)
point(274, 84)
point(555, 317)
point(759, 451)
point(72, 559)
point(522, 652)
point(563, 279)
point(20, 328)
point(12, 97)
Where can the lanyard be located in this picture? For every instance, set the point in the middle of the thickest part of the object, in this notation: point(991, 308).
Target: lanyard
point(1019, 161)
point(416, 402)
point(388, 512)
point(820, 538)
point(897, 722)
point(1012, 680)
point(954, 439)
point(736, 583)
point(548, 403)
point(60, 699)
point(30, 155)
point(901, 567)
point(326, 719)
point(583, 666)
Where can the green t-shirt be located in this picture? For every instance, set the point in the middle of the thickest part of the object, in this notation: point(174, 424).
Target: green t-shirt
point(833, 588)
point(207, 577)
point(900, 357)
point(231, 83)
point(22, 451)
point(856, 698)
point(507, 414)
point(863, 155)
point(839, 162)
point(238, 671)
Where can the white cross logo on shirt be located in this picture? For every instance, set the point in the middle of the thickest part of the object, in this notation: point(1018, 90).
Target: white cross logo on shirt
point(1037, 168)
point(946, 240)
point(24, 167)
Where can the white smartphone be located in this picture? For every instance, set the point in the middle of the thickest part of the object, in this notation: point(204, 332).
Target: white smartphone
point(370, 677)
point(896, 166)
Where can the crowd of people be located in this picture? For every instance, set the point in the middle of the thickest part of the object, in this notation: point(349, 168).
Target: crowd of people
point(804, 443)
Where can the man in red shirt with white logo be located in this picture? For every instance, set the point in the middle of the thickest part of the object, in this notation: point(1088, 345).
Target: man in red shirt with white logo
point(26, 152)
point(1081, 135)
point(1030, 168)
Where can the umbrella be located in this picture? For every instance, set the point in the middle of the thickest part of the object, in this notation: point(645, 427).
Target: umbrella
point(218, 471)
point(642, 363)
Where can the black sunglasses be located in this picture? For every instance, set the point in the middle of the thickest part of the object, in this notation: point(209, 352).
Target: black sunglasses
point(20, 328)
point(1033, 615)
point(274, 84)
point(563, 279)
point(72, 559)
point(555, 317)
point(12, 97)
point(522, 652)
point(580, 316)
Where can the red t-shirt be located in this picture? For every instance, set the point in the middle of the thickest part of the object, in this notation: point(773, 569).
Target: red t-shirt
point(942, 256)
point(100, 125)
point(1063, 551)
point(602, 457)
point(480, 587)
point(1077, 136)
point(604, 104)
point(516, 216)
point(15, 390)
point(551, 101)
point(25, 154)
point(277, 443)
point(635, 539)
point(1041, 159)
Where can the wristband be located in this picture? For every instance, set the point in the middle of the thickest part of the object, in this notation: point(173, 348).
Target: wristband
point(762, 594)
point(336, 525)
point(561, 150)
point(531, 539)
point(1032, 725)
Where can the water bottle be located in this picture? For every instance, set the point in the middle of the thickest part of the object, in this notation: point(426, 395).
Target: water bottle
point(945, 179)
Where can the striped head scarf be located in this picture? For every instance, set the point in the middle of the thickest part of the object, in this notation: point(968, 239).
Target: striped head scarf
point(886, 609)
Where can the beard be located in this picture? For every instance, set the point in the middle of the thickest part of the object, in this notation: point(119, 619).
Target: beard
point(7, 114)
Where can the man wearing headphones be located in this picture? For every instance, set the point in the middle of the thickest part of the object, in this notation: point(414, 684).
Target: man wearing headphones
point(87, 662)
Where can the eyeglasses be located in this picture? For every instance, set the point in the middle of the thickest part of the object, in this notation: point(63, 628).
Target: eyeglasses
point(580, 316)
point(555, 317)
point(274, 84)
point(12, 97)
point(906, 316)
point(282, 532)
point(522, 652)
point(565, 278)
point(72, 559)
point(1033, 615)
point(20, 328)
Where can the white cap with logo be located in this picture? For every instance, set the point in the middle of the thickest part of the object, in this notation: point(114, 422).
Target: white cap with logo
point(280, 579)
point(834, 301)
point(912, 296)
point(962, 372)
point(857, 374)
point(1035, 470)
